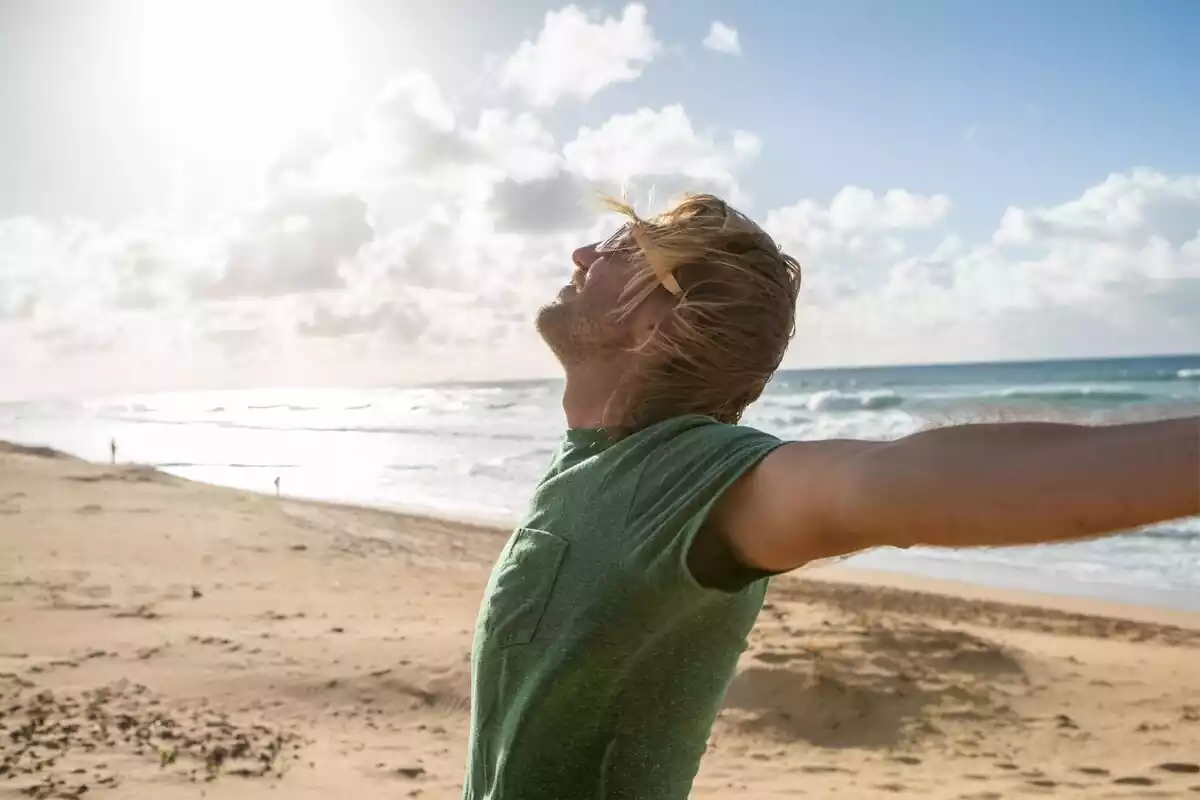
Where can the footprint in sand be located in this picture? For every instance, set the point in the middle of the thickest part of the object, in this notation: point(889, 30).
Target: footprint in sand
point(1097, 771)
point(1180, 768)
point(818, 769)
point(1135, 780)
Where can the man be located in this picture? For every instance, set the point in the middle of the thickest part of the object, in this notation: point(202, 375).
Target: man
point(614, 619)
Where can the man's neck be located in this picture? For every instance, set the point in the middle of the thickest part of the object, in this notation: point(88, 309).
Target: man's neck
point(590, 398)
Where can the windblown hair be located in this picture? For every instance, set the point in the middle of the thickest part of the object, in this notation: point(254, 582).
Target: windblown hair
point(732, 320)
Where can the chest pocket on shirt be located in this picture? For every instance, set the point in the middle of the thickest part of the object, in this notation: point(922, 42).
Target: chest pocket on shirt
point(524, 581)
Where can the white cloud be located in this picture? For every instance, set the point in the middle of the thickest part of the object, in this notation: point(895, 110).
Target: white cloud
point(516, 146)
point(557, 203)
point(723, 39)
point(1130, 208)
point(413, 96)
point(661, 149)
point(413, 118)
point(1116, 270)
point(411, 137)
point(296, 244)
point(575, 56)
point(842, 243)
point(24, 246)
point(399, 320)
point(746, 144)
point(72, 270)
point(855, 208)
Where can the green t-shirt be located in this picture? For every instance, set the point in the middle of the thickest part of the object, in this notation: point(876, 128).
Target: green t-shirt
point(599, 661)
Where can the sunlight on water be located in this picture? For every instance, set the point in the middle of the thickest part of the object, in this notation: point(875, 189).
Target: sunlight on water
point(476, 451)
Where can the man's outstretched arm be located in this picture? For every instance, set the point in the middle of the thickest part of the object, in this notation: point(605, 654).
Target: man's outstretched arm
point(961, 486)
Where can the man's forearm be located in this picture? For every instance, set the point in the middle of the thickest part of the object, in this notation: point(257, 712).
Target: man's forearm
point(1022, 483)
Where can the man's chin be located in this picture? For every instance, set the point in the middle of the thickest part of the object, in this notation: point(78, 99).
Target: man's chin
point(549, 319)
point(553, 324)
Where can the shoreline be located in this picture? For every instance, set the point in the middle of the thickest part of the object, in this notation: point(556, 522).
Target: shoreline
point(833, 574)
point(907, 567)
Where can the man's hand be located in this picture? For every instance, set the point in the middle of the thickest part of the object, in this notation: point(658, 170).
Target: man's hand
point(962, 486)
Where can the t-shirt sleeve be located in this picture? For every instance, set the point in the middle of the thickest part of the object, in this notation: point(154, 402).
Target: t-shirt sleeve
point(690, 464)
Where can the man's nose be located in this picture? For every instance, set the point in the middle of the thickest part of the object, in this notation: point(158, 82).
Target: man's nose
point(584, 256)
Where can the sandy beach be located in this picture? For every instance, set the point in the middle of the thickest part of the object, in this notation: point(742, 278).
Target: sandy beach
point(167, 639)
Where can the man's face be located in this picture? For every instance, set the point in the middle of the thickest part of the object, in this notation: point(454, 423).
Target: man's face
point(580, 325)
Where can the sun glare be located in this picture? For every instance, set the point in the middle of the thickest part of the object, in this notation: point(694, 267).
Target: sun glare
point(221, 76)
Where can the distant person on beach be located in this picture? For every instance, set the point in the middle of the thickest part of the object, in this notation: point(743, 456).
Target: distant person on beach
point(615, 616)
point(112, 450)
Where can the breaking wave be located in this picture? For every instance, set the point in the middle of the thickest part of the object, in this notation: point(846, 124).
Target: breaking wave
point(835, 400)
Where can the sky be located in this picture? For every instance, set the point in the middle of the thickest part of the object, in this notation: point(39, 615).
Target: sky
point(241, 193)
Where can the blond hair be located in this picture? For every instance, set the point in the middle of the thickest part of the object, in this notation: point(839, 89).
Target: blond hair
point(733, 318)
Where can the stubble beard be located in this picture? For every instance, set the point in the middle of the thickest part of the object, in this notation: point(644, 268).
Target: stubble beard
point(571, 334)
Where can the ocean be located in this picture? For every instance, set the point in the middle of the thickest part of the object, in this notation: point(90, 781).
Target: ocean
point(473, 451)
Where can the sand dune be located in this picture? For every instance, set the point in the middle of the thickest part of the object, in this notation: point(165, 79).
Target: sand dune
point(165, 639)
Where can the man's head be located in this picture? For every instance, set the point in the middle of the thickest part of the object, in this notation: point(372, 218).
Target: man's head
point(696, 306)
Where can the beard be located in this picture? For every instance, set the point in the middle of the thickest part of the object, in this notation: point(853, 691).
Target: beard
point(573, 333)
